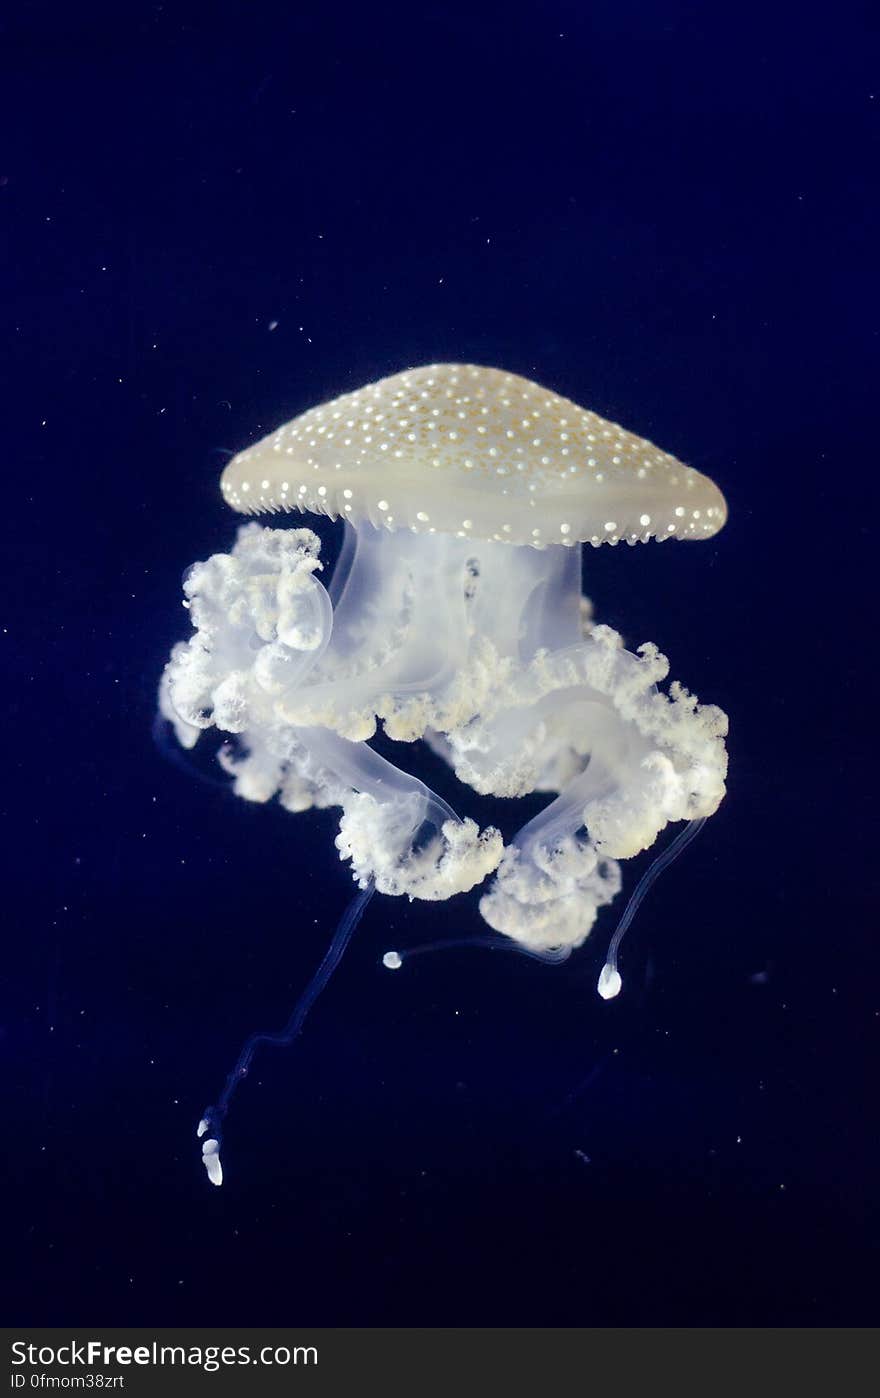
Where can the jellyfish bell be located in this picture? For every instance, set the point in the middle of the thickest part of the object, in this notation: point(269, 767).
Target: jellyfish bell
point(474, 453)
point(454, 616)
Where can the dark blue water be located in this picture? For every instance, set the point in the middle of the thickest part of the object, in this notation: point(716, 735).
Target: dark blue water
point(214, 219)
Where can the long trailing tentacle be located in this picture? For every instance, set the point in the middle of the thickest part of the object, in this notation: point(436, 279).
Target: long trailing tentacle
point(393, 960)
point(210, 1127)
point(610, 982)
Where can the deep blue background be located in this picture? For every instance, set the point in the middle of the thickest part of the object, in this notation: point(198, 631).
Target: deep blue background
point(665, 210)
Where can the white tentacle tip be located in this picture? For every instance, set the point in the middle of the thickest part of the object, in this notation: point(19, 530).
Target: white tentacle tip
point(211, 1160)
point(202, 1127)
point(609, 983)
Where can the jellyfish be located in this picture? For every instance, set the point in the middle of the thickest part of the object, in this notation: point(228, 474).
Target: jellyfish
point(454, 618)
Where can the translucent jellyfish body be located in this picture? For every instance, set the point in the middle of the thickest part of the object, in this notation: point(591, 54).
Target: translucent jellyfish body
point(454, 616)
